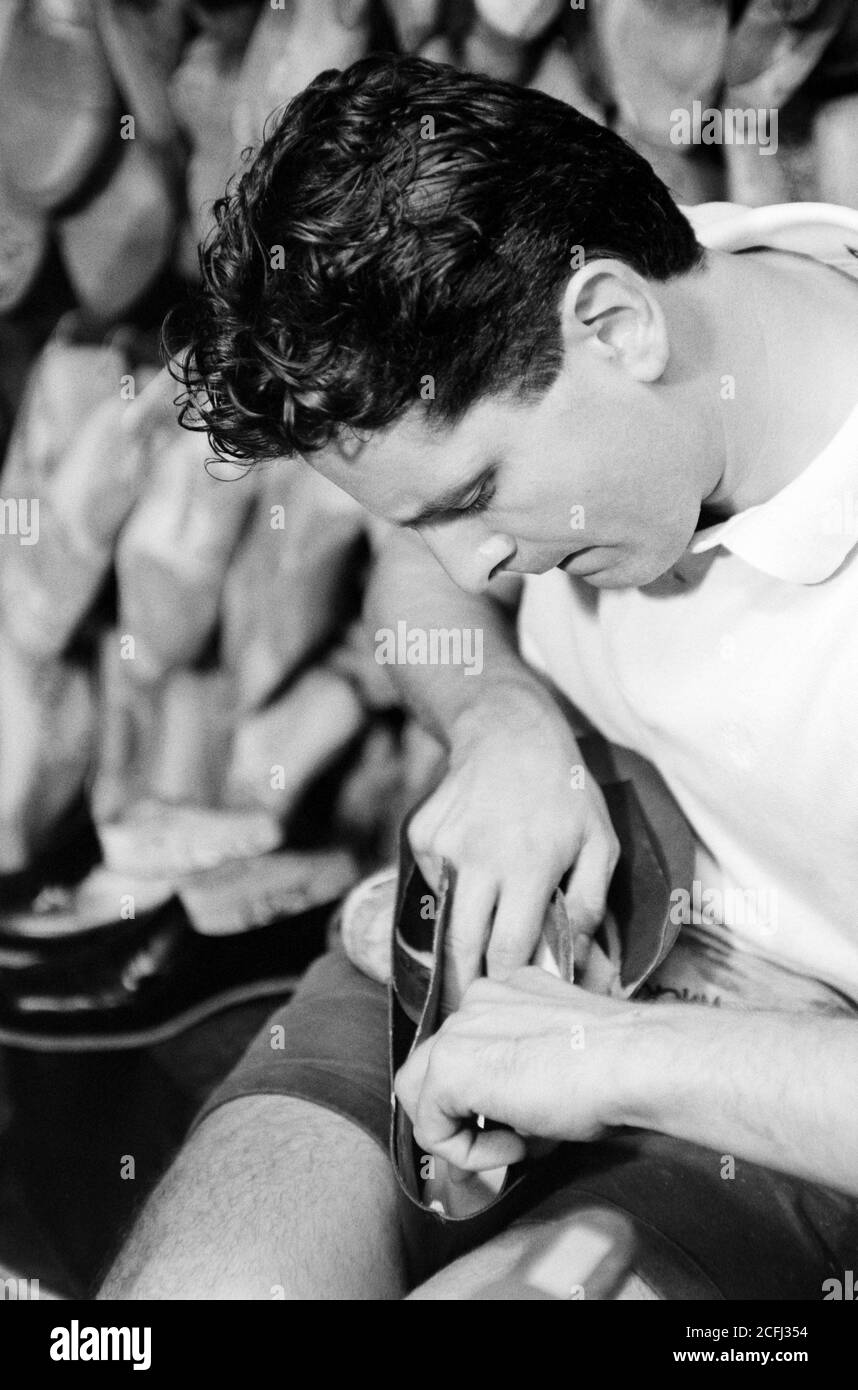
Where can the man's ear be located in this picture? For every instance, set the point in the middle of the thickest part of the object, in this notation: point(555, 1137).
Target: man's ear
point(611, 310)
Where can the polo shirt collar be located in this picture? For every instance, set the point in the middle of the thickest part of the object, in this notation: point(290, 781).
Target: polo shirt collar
point(805, 532)
point(822, 230)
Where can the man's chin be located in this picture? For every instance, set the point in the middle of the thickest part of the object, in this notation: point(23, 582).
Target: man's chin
point(605, 569)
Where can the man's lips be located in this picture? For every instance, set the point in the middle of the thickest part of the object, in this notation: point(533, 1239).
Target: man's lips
point(574, 555)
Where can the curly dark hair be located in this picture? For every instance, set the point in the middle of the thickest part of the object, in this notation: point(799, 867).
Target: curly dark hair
point(405, 223)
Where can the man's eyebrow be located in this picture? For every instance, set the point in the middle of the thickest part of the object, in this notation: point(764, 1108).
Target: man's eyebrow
point(445, 507)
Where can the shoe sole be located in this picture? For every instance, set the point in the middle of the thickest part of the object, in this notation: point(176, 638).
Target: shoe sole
point(128, 1040)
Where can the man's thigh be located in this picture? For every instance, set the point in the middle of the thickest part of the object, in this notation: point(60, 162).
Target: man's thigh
point(284, 1187)
point(271, 1198)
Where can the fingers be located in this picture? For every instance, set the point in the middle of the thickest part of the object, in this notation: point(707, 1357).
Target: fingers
point(490, 1059)
point(409, 1080)
point(467, 934)
point(431, 1087)
point(474, 926)
point(470, 1148)
point(506, 874)
point(587, 891)
point(528, 982)
point(517, 927)
point(490, 1004)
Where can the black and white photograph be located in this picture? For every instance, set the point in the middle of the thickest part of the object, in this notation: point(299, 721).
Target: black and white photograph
point(429, 665)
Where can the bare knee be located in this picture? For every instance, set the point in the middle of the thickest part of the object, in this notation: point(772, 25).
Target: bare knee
point(272, 1197)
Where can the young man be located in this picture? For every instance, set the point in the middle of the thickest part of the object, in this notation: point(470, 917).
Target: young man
point(482, 315)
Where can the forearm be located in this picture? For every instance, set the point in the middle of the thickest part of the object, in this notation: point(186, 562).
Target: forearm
point(773, 1088)
point(409, 586)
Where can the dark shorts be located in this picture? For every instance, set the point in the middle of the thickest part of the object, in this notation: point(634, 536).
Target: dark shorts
point(702, 1233)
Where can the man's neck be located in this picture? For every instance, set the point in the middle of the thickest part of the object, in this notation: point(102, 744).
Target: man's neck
point(781, 363)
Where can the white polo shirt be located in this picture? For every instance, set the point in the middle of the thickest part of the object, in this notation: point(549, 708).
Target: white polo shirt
point(736, 674)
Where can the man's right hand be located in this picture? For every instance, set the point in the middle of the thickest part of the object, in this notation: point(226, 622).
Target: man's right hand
point(516, 810)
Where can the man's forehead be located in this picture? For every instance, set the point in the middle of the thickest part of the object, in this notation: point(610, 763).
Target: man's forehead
point(401, 469)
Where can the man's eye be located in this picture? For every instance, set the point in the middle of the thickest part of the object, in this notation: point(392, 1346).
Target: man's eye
point(480, 502)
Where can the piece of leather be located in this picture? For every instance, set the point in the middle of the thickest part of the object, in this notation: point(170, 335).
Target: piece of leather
point(60, 856)
point(415, 1005)
point(23, 244)
point(47, 738)
point(657, 56)
point(656, 858)
point(203, 90)
point(57, 99)
point(657, 855)
point(156, 839)
point(116, 243)
point(523, 22)
point(60, 911)
point(46, 590)
point(142, 48)
point(247, 894)
point(771, 51)
point(287, 50)
point(70, 378)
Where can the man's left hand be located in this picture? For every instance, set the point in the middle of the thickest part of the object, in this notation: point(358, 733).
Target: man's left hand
point(538, 1057)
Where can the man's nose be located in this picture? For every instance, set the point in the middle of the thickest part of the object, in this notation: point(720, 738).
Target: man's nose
point(470, 557)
